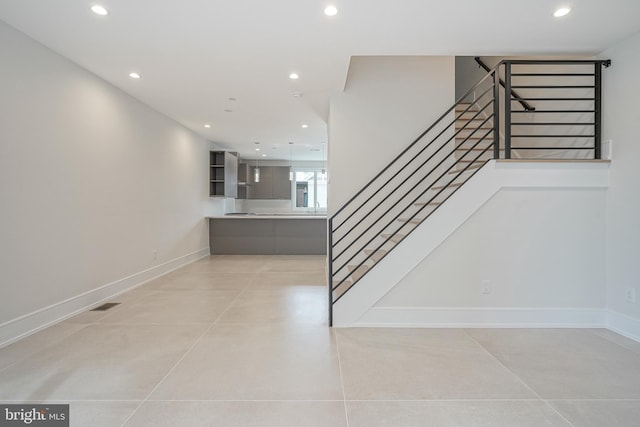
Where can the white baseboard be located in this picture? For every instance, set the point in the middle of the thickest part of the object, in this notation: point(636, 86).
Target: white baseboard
point(452, 317)
point(28, 324)
point(624, 325)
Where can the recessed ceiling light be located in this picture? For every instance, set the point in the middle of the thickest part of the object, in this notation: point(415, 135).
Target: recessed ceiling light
point(99, 10)
point(297, 94)
point(294, 76)
point(207, 125)
point(264, 155)
point(563, 11)
point(305, 126)
point(232, 99)
point(331, 10)
point(228, 111)
point(134, 75)
point(257, 149)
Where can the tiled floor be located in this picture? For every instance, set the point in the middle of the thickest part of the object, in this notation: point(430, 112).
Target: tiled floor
point(243, 341)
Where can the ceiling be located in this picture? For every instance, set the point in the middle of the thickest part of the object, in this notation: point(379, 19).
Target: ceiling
point(226, 62)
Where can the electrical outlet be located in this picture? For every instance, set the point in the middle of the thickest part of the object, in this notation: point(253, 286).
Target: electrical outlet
point(630, 294)
point(155, 255)
point(486, 287)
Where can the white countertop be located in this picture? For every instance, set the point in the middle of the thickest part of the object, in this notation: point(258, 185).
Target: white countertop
point(270, 216)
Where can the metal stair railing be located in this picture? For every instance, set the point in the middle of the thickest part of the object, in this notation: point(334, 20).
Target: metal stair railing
point(446, 155)
point(568, 113)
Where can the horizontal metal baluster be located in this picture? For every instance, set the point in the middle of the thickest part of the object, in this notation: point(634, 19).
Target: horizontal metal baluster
point(419, 182)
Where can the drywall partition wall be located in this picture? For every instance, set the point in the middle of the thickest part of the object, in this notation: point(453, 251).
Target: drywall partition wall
point(531, 248)
point(386, 104)
point(621, 116)
point(468, 73)
point(524, 226)
point(98, 191)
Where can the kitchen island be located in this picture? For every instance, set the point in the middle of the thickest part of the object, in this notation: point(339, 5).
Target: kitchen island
point(268, 234)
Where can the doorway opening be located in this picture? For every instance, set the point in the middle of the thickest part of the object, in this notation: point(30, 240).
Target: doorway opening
point(310, 190)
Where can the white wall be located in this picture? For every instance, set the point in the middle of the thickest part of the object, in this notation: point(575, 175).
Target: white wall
point(386, 104)
point(91, 183)
point(536, 230)
point(540, 248)
point(468, 73)
point(621, 116)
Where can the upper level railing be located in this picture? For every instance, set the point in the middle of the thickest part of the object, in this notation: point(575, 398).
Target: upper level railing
point(563, 120)
point(566, 122)
point(514, 94)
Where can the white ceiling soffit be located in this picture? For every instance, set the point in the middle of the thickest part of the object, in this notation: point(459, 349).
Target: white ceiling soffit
point(194, 55)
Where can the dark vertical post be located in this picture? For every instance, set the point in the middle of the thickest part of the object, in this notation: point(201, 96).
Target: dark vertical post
point(507, 110)
point(598, 111)
point(496, 114)
point(330, 267)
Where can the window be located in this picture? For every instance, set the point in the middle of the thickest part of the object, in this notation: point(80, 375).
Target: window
point(310, 190)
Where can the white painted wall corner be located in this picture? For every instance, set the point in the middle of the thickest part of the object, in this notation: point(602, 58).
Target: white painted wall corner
point(31, 323)
point(624, 325)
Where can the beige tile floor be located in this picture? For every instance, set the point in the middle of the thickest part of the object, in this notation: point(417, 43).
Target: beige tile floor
point(243, 341)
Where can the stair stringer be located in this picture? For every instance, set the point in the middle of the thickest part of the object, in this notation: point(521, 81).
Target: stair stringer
point(493, 177)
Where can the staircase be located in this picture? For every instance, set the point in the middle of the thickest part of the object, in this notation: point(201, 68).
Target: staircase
point(476, 129)
point(467, 120)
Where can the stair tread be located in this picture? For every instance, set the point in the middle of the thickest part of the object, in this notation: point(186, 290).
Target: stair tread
point(357, 271)
point(368, 251)
point(488, 137)
point(337, 293)
point(425, 203)
point(412, 221)
point(472, 161)
point(470, 168)
point(482, 156)
point(474, 116)
point(468, 116)
point(475, 138)
point(473, 128)
point(341, 283)
point(440, 187)
point(376, 255)
point(394, 238)
point(473, 143)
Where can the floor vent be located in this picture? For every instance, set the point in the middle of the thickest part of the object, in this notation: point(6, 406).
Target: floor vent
point(106, 306)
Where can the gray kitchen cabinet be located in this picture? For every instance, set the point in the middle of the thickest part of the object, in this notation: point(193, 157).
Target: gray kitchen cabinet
point(261, 236)
point(274, 183)
point(281, 183)
point(262, 189)
point(223, 175)
point(244, 181)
